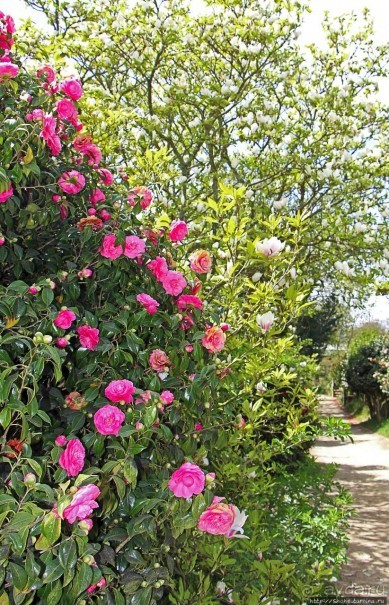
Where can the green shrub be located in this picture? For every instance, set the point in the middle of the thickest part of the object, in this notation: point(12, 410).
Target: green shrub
point(72, 323)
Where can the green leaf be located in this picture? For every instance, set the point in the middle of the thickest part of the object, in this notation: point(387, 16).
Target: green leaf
point(18, 575)
point(141, 597)
point(67, 554)
point(82, 579)
point(52, 572)
point(47, 296)
point(51, 528)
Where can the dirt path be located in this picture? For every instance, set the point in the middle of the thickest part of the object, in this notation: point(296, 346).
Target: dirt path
point(364, 471)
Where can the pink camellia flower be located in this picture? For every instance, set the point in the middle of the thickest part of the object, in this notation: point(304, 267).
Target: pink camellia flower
point(46, 73)
point(265, 321)
point(72, 458)
point(8, 70)
point(100, 584)
point(174, 283)
point(49, 134)
point(82, 504)
point(89, 337)
point(217, 519)
point(67, 110)
point(158, 267)
point(64, 319)
point(71, 182)
point(142, 195)
point(214, 339)
point(61, 342)
point(187, 322)
point(178, 231)
point(72, 88)
point(149, 303)
point(106, 176)
point(134, 246)
point(86, 525)
point(186, 481)
point(85, 272)
point(108, 420)
point(7, 28)
point(159, 361)
point(60, 440)
point(96, 196)
point(167, 397)
point(200, 261)
point(92, 152)
point(7, 193)
point(120, 390)
point(108, 249)
point(198, 427)
point(188, 301)
point(270, 247)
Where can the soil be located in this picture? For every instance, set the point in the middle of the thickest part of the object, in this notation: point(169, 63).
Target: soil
point(363, 471)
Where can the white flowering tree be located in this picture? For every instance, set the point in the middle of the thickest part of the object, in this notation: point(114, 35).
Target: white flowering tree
point(231, 97)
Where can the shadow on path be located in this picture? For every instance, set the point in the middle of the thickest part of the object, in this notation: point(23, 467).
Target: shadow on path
point(364, 471)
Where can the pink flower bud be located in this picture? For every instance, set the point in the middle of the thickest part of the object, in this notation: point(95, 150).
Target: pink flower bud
point(29, 479)
point(2, 240)
point(225, 327)
point(61, 342)
point(92, 211)
point(189, 348)
point(56, 198)
point(198, 427)
point(33, 290)
point(139, 426)
point(210, 478)
point(86, 524)
point(60, 440)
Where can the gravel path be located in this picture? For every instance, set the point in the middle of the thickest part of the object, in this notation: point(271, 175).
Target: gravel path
point(364, 471)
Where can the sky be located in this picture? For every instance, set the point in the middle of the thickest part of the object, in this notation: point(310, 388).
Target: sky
point(378, 307)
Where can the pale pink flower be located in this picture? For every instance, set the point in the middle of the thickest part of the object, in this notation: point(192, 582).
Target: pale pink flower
point(158, 267)
point(186, 481)
point(120, 390)
point(71, 182)
point(85, 272)
point(270, 246)
point(214, 339)
point(134, 246)
point(72, 88)
point(200, 261)
point(173, 282)
point(178, 231)
point(72, 458)
point(159, 361)
point(108, 420)
point(149, 303)
point(265, 321)
point(7, 193)
point(82, 504)
point(64, 319)
point(89, 337)
point(108, 249)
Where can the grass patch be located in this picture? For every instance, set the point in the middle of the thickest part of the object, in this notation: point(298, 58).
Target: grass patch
point(358, 408)
point(382, 428)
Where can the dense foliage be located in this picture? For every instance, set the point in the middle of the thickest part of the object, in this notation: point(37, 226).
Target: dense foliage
point(317, 327)
point(142, 381)
point(366, 373)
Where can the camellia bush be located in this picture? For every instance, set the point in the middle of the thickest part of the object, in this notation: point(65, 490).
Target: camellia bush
point(150, 399)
